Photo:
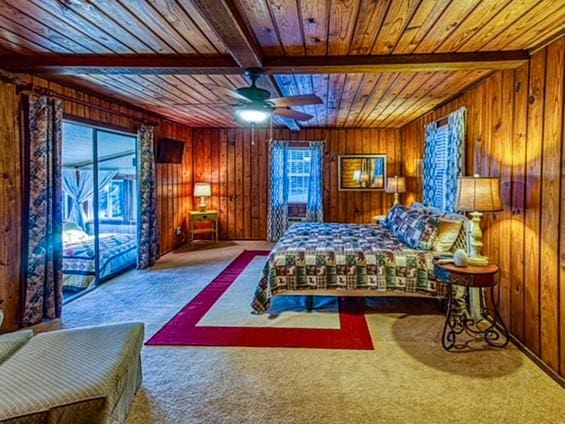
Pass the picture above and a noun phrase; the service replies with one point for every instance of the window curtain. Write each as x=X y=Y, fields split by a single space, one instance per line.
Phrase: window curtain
x=429 y=164
x=277 y=219
x=453 y=155
x=315 y=204
x=78 y=185
x=456 y=123
x=42 y=288
x=147 y=225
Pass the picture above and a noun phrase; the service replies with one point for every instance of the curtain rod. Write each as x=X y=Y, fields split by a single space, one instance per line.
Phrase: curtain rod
x=440 y=121
x=27 y=88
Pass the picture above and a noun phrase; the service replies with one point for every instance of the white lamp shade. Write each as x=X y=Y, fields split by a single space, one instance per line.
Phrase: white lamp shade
x=202 y=189
x=395 y=185
x=478 y=194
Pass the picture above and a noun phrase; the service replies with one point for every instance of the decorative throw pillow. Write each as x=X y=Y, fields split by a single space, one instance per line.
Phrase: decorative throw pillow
x=11 y=342
x=417 y=205
x=418 y=229
x=395 y=217
x=74 y=236
x=447 y=233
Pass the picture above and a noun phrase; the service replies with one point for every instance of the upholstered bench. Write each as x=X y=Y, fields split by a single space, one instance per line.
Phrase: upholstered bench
x=83 y=375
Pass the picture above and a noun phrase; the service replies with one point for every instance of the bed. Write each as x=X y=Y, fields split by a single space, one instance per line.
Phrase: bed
x=360 y=260
x=117 y=253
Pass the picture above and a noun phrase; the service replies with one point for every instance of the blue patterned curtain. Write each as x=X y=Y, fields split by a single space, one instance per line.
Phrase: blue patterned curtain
x=277 y=219
x=444 y=161
x=147 y=225
x=315 y=204
x=429 y=186
x=456 y=123
x=42 y=290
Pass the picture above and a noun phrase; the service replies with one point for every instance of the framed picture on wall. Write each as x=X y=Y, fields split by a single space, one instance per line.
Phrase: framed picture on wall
x=361 y=172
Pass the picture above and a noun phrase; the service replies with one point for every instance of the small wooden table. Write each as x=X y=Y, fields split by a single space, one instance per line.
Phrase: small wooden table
x=201 y=216
x=459 y=319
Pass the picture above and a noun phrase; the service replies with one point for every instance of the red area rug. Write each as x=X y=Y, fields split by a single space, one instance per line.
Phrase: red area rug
x=182 y=329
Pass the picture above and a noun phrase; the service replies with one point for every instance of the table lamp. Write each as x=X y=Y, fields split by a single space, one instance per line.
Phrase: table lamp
x=202 y=190
x=395 y=185
x=476 y=195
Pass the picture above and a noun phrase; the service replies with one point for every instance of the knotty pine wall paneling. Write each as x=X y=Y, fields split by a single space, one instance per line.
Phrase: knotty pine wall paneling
x=238 y=170
x=515 y=131
x=10 y=206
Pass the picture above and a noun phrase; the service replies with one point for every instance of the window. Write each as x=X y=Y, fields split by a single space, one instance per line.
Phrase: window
x=298 y=175
x=440 y=174
x=112 y=199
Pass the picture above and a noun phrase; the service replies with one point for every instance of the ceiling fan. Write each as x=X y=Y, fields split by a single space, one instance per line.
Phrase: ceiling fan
x=255 y=105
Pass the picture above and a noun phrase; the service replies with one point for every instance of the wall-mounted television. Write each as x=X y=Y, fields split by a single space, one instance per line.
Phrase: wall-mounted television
x=170 y=151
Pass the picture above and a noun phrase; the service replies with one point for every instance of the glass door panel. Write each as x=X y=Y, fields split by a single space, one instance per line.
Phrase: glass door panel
x=117 y=202
x=79 y=247
x=100 y=206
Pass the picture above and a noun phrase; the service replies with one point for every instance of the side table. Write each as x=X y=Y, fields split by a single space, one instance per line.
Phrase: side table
x=199 y=216
x=458 y=320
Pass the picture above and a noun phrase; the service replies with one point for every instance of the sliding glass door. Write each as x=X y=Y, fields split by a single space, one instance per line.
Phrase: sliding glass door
x=100 y=200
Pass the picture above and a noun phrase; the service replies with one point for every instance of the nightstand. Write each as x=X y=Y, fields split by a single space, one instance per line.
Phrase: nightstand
x=459 y=319
x=203 y=216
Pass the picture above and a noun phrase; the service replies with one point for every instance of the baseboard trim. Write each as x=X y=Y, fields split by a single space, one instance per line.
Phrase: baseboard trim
x=537 y=360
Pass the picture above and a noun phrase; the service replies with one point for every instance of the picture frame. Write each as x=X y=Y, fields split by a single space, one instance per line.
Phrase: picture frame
x=364 y=172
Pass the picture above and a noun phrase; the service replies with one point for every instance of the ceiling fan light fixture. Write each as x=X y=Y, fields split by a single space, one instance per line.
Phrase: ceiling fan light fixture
x=253 y=116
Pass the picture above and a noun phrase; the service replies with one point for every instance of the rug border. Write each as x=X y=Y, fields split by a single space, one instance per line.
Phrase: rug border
x=353 y=334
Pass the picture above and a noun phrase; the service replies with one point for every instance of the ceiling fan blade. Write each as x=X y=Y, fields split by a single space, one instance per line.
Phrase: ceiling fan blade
x=307 y=99
x=226 y=92
x=292 y=114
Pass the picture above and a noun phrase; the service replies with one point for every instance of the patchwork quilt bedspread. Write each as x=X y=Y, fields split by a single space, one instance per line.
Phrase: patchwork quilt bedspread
x=117 y=251
x=316 y=256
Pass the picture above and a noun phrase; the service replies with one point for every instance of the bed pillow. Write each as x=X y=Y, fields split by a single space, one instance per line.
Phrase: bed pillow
x=74 y=236
x=11 y=342
x=72 y=233
x=395 y=217
x=447 y=232
x=418 y=229
x=418 y=205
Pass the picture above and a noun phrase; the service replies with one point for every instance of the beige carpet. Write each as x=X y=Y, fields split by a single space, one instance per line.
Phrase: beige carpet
x=408 y=378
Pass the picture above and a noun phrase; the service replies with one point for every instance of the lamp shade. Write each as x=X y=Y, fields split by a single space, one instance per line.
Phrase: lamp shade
x=478 y=194
x=395 y=185
x=202 y=189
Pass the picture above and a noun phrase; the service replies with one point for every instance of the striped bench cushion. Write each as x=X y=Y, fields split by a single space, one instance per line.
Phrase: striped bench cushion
x=68 y=367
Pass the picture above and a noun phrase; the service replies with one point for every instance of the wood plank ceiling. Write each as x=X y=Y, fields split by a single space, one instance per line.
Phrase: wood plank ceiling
x=280 y=28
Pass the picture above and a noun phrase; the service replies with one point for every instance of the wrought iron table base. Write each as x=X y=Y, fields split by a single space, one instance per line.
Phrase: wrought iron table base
x=459 y=320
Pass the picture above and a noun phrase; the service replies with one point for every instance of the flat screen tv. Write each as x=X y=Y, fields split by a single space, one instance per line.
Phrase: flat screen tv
x=170 y=151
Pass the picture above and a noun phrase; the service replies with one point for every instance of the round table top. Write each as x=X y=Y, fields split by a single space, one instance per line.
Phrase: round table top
x=469 y=269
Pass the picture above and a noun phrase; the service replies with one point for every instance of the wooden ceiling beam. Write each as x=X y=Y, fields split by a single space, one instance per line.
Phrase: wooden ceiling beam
x=113 y=64
x=395 y=63
x=226 y=65
x=226 y=21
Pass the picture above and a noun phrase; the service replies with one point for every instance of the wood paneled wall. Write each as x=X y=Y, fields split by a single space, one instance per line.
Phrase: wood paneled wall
x=238 y=171
x=10 y=204
x=174 y=182
x=515 y=131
